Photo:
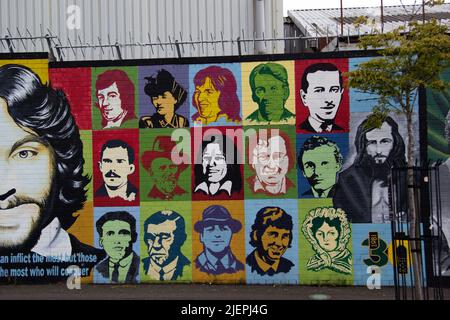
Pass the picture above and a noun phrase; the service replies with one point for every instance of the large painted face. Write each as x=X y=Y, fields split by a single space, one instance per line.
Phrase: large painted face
x=327 y=237
x=160 y=239
x=380 y=143
x=323 y=95
x=270 y=161
x=164 y=103
x=115 y=167
x=110 y=102
x=116 y=239
x=206 y=99
x=271 y=94
x=216 y=238
x=164 y=173
x=275 y=242
x=27 y=169
x=320 y=167
x=213 y=162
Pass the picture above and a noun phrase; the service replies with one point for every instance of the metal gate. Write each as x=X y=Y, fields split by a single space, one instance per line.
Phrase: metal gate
x=420 y=279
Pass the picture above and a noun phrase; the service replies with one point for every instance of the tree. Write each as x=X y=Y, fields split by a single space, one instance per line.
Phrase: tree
x=410 y=58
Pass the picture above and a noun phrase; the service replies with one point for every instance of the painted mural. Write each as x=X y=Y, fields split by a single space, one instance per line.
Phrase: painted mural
x=438 y=135
x=252 y=172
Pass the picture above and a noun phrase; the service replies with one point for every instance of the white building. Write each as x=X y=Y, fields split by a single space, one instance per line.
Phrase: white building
x=333 y=30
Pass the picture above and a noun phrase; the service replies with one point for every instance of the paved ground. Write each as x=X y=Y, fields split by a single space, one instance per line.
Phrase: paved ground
x=195 y=292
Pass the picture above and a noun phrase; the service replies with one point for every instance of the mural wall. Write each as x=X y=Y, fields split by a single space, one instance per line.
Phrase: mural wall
x=250 y=172
x=438 y=135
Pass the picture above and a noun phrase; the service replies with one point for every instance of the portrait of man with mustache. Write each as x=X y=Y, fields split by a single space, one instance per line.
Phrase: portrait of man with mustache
x=116 y=164
x=43 y=183
x=321 y=92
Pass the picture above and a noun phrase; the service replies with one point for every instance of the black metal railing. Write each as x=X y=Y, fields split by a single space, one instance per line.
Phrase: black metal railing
x=417 y=237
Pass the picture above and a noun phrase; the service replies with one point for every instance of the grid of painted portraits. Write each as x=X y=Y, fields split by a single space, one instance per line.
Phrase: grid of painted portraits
x=253 y=172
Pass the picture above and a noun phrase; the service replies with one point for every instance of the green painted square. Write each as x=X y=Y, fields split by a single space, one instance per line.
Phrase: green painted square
x=132 y=73
x=185 y=210
x=147 y=181
x=324 y=276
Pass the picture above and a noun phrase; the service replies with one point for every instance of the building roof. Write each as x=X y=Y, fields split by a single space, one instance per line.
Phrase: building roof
x=327 y=22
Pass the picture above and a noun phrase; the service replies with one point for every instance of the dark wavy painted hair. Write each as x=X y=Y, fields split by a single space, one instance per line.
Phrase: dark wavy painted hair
x=316 y=142
x=46 y=112
x=266 y=217
x=233 y=164
x=120 y=216
x=319 y=221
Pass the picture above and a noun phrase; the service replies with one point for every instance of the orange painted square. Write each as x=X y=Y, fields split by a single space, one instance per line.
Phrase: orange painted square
x=236 y=209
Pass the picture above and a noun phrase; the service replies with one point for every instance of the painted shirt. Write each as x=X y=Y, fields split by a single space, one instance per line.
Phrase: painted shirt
x=158 y=121
x=210 y=264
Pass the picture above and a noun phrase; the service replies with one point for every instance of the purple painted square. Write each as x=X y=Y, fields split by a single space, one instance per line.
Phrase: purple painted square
x=181 y=75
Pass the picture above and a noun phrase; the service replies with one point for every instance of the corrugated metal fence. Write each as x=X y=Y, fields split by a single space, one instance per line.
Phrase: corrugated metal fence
x=78 y=25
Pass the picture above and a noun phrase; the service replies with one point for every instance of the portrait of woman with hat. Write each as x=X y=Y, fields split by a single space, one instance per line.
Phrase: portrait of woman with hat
x=167 y=96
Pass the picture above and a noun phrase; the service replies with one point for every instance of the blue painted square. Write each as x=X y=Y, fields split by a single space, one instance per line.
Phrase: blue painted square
x=363 y=256
x=98 y=213
x=341 y=141
x=227 y=80
x=290 y=256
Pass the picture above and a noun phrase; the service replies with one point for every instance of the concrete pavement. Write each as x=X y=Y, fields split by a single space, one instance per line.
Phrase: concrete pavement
x=195 y=292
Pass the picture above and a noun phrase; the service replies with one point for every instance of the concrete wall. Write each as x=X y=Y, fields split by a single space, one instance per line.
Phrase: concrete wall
x=293 y=207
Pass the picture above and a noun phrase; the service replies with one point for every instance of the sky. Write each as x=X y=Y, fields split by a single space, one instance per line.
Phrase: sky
x=320 y=4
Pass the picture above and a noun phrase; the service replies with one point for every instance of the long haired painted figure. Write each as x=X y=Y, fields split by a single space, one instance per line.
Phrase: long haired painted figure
x=215 y=96
x=43 y=184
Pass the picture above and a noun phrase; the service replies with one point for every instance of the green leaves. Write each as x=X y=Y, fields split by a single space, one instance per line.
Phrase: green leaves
x=410 y=58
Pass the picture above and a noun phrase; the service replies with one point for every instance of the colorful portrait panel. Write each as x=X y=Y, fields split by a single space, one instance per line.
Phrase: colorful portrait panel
x=320 y=157
x=218 y=241
x=218 y=163
x=271 y=228
x=116 y=169
x=325 y=244
x=270 y=166
x=268 y=93
x=45 y=209
x=215 y=94
x=115 y=98
x=165 y=165
x=166 y=241
x=321 y=96
x=116 y=231
x=163 y=96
